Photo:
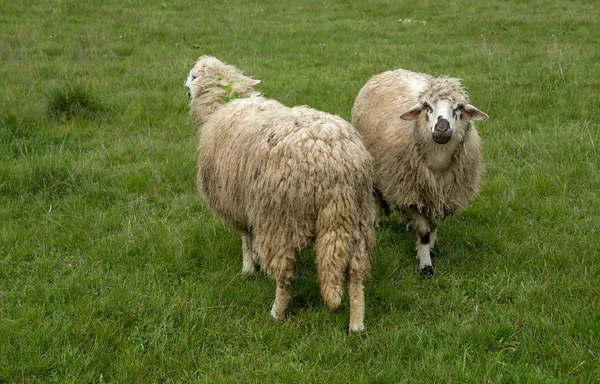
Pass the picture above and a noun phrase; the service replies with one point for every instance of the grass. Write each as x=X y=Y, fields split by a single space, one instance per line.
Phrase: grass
x=113 y=270
x=70 y=101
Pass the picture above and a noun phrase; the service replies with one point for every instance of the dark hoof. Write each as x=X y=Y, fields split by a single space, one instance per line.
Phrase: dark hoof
x=427 y=271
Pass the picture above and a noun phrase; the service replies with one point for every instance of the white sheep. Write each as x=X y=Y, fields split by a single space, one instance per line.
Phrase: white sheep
x=283 y=177
x=425 y=147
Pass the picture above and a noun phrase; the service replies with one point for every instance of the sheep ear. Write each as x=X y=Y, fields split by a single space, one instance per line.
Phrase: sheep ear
x=255 y=81
x=413 y=113
x=475 y=114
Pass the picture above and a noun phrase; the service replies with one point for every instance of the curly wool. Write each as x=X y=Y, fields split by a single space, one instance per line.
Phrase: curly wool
x=443 y=88
x=287 y=176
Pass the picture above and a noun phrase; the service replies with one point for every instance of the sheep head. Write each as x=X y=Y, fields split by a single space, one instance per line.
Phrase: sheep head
x=444 y=111
x=210 y=72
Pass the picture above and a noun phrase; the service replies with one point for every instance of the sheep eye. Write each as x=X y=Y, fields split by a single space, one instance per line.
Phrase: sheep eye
x=459 y=108
x=427 y=108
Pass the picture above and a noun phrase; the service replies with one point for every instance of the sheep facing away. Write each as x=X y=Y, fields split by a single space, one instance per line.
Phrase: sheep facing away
x=425 y=147
x=283 y=177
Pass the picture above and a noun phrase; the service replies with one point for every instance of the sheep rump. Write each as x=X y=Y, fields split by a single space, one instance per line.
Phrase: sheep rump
x=421 y=176
x=283 y=177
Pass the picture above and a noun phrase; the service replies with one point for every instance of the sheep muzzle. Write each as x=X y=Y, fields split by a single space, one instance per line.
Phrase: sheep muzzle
x=441 y=131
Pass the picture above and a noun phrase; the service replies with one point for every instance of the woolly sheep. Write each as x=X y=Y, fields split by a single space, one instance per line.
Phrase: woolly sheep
x=425 y=147
x=283 y=177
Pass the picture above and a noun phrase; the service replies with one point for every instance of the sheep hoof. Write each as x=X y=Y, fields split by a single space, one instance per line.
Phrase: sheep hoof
x=427 y=271
x=248 y=271
x=274 y=315
x=357 y=328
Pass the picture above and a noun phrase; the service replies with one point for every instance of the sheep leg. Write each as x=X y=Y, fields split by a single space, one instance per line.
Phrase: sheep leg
x=281 y=266
x=381 y=208
x=359 y=268
x=283 y=295
x=424 y=255
x=255 y=255
x=432 y=238
x=421 y=224
x=247 y=251
x=357 y=303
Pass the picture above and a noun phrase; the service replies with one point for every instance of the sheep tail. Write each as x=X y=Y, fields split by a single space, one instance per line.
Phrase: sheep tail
x=333 y=253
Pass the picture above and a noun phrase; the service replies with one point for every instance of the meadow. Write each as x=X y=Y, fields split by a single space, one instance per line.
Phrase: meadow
x=112 y=269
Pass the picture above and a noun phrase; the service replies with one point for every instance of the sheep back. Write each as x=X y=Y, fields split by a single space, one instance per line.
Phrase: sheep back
x=262 y=164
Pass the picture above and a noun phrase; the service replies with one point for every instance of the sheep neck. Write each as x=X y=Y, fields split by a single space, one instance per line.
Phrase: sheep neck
x=439 y=157
x=231 y=93
x=209 y=101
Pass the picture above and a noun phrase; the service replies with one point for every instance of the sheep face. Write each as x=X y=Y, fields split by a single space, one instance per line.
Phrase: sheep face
x=188 y=84
x=444 y=118
x=203 y=74
x=211 y=72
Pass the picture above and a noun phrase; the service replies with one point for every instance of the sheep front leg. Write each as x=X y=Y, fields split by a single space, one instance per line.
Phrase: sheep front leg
x=247 y=259
x=424 y=254
x=424 y=243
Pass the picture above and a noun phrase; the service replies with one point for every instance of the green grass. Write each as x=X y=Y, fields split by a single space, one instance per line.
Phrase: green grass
x=113 y=270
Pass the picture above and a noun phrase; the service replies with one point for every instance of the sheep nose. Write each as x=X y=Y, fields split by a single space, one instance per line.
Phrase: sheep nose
x=442 y=124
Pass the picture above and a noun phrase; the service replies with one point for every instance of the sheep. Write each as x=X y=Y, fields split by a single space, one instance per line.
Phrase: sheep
x=284 y=178
x=425 y=147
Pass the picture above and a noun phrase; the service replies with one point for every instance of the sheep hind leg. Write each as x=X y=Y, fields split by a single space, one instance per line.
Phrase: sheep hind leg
x=432 y=237
x=282 y=268
x=357 y=303
x=247 y=255
x=381 y=208
x=432 y=240
x=283 y=295
x=359 y=268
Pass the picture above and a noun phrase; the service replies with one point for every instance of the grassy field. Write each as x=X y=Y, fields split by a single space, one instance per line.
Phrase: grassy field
x=112 y=270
